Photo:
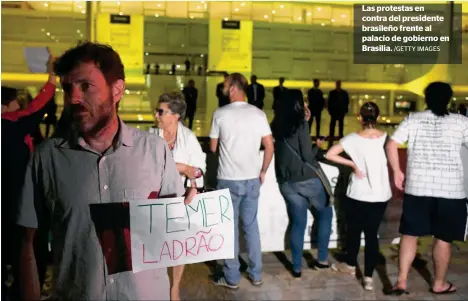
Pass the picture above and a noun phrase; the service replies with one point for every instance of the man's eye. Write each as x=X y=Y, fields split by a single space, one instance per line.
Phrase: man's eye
x=84 y=86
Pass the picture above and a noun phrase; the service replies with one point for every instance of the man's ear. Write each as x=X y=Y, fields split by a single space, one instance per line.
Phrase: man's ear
x=118 y=89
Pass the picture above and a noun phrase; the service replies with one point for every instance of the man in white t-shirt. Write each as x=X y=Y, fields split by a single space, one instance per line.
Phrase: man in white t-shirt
x=435 y=200
x=239 y=129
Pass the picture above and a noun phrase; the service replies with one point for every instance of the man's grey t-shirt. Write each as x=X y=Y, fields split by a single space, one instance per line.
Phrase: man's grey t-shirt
x=84 y=195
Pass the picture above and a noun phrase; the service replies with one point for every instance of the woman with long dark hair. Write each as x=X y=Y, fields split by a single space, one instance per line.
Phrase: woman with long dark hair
x=368 y=191
x=301 y=180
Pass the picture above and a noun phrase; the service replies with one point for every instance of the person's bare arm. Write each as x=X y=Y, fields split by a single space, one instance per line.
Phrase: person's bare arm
x=267 y=143
x=213 y=145
x=392 y=155
x=394 y=161
x=333 y=155
x=28 y=281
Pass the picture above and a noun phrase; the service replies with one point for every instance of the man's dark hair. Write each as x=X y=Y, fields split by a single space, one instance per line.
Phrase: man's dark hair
x=8 y=95
x=238 y=80
x=103 y=56
x=281 y=80
x=438 y=96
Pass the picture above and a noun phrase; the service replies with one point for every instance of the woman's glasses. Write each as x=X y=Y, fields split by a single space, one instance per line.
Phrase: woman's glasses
x=160 y=112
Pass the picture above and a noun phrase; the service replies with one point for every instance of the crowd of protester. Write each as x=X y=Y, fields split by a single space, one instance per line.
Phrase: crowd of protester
x=72 y=182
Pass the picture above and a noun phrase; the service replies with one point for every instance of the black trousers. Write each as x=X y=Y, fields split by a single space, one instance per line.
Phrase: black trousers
x=318 y=118
x=363 y=217
x=190 y=119
x=340 y=120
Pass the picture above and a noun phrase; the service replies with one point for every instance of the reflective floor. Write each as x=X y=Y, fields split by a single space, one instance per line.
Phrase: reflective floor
x=327 y=285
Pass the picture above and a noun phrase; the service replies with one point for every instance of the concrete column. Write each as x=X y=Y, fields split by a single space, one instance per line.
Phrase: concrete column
x=391 y=103
x=91 y=9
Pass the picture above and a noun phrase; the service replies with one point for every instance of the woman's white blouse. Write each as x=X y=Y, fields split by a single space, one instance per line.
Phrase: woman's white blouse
x=187 y=149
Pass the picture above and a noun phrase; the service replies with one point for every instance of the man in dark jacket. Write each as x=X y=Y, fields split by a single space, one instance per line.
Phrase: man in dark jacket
x=191 y=96
x=338 y=103
x=278 y=93
x=316 y=104
x=222 y=99
x=255 y=93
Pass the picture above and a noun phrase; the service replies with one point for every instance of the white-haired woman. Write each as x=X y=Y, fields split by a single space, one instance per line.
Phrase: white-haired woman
x=186 y=150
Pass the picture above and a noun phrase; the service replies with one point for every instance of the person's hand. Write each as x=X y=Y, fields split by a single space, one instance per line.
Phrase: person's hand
x=190 y=193
x=190 y=172
x=50 y=63
x=399 y=180
x=262 y=177
x=320 y=141
x=359 y=173
x=307 y=113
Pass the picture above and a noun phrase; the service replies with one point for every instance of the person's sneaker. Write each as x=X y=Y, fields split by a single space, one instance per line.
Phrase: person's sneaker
x=321 y=266
x=221 y=281
x=368 y=283
x=255 y=282
x=344 y=268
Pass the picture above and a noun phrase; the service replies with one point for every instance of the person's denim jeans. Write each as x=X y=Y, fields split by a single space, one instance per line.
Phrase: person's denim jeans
x=244 y=195
x=301 y=196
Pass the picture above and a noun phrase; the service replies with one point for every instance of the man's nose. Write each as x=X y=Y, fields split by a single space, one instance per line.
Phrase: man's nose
x=77 y=94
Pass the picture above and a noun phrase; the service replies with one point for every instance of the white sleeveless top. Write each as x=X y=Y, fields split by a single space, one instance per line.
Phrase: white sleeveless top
x=369 y=156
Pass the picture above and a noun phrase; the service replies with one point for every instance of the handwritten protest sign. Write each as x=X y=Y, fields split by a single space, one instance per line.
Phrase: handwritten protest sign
x=166 y=232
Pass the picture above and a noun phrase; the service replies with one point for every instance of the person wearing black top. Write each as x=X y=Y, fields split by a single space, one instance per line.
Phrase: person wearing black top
x=255 y=93
x=191 y=96
x=222 y=99
x=316 y=104
x=338 y=106
x=300 y=178
x=51 y=118
x=278 y=93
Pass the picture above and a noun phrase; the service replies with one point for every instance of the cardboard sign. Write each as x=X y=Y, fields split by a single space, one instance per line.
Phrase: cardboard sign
x=166 y=232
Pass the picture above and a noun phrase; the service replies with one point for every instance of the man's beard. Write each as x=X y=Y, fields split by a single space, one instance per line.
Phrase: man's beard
x=104 y=113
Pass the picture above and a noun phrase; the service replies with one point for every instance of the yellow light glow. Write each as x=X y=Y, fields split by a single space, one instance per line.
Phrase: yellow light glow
x=273 y=12
x=281 y=6
x=265 y=16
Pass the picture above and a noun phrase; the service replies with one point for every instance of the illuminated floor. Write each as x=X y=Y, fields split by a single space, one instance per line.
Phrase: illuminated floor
x=327 y=285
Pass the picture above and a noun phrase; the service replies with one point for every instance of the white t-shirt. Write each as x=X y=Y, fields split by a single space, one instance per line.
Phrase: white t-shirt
x=240 y=128
x=434 y=167
x=369 y=156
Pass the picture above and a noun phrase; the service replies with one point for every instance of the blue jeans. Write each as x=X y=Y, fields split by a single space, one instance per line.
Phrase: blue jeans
x=301 y=196
x=244 y=195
